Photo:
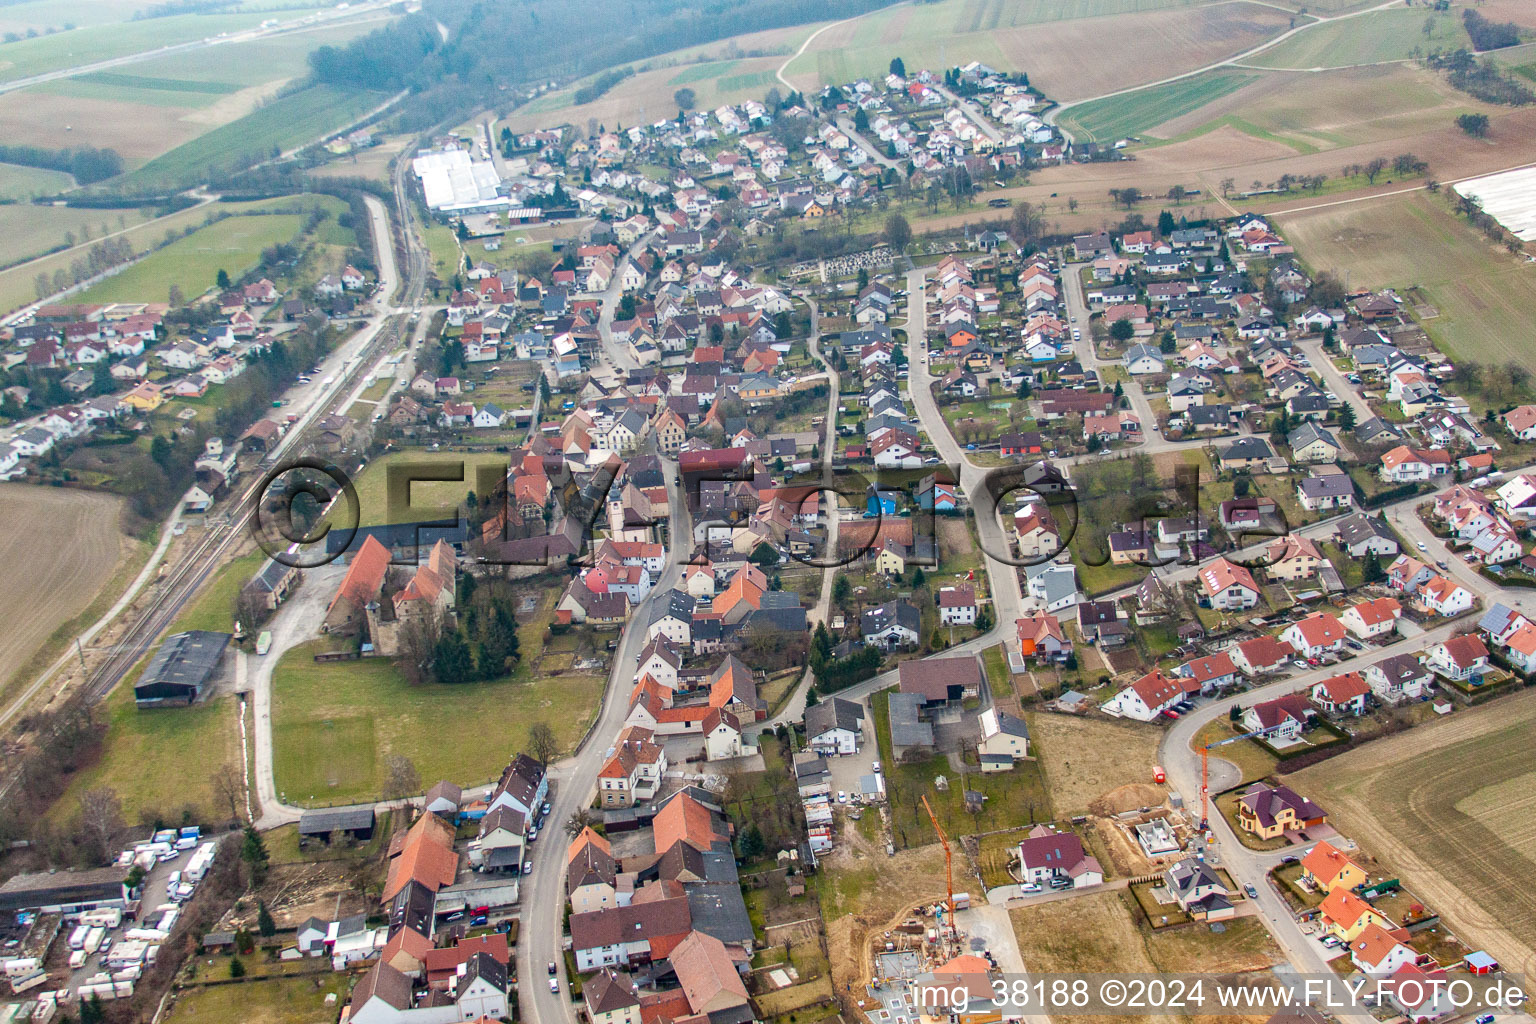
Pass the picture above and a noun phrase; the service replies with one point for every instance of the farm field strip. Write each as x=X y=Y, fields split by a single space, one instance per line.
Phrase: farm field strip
x=1427 y=803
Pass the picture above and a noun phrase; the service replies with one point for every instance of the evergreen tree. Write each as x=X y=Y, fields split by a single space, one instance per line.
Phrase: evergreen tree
x=264 y=923
x=452 y=661
x=253 y=850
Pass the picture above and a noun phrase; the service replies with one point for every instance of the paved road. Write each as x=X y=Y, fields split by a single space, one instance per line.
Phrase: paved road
x=1003 y=578
x=1333 y=380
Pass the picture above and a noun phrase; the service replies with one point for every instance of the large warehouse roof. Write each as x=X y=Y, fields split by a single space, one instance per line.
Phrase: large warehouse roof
x=449 y=178
x=1509 y=197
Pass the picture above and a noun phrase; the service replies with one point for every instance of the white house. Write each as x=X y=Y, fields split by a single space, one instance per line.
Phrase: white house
x=1149 y=696
x=834 y=726
x=1004 y=739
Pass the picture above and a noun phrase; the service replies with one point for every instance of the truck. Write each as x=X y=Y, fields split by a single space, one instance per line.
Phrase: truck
x=264 y=642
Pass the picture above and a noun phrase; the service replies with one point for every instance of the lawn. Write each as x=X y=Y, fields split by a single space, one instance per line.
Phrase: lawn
x=335 y=723
x=1251 y=759
x=233 y=244
x=162 y=759
x=294 y=120
x=1017 y=797
x=1119 y=117
x=31 y=230
x=214 y=606
x=1485 y=298
x=426 y=500
x=270 y=1001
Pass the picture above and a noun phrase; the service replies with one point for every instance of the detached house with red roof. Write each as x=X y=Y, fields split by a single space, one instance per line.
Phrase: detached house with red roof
x=1271 y=811
x=1261 y=655
x=1370 y=619
x=1150 y=696
x=1328 y=869
x=1345 y=915
x=1380 y=952
x=1315 y=635
x=1459 y=658
x=1342 y=694
x=1282 y=719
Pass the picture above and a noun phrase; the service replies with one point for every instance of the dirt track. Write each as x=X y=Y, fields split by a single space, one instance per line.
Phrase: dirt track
x=61 y=546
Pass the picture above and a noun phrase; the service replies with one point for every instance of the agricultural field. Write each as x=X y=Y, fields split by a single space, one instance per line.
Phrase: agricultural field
x=286 y=123
x=29 y=230
x=1485 y=299
x=1087 y=760
x=1449 y=807
x=1370 y=38
x=1306 y=114
x=1137 y=41
x=65 y=546
x=18 y=182
x=91 y=43
x=372 y=163
x=334 y=724
x=233 y=244
x=1119 y=117
x=648 y=95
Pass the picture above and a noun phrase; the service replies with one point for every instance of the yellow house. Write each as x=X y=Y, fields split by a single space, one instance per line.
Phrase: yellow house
x=1345 y=915
x=147 y=397
x=670 y=432
x=892 y=560
x=1328 y=869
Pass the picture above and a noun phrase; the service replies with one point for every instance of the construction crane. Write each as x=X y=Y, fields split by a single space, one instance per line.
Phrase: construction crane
x=949 y=876
x=1205 y=769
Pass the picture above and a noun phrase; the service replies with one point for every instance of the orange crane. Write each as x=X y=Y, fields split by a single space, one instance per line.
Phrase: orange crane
x=1205 y=769
x=949 y=876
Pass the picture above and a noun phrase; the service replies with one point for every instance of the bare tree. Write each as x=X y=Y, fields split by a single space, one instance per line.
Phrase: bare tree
x=101 y=818
x=418 y=639
x=542 y=743
x=400 y=777
x=579 y=819
x=228 y=784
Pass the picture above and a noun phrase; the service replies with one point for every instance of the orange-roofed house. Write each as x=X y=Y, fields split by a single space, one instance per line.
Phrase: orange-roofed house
x=1328 y=869
x=708 y=976
x=1345 y=915
x=1315 y=635
x=425 y=855
x=1370 y=619
x=1342 y=694
x=682 y=819
x=1149 y=696
x=1381 y=952
x=361 y=585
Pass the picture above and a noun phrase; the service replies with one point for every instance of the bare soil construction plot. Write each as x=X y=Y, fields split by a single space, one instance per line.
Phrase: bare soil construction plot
x=1449 y=807
x=61 y=546
x=1086 y=759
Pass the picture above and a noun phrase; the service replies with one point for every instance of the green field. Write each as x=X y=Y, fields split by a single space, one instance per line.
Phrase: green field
x=334 y=724
x=159 y=760
x=428 y=500
x=192 y=263
x=285 y=123
x=17 y=182
x=93 y=43
x=712 y=69
x=29 y=230
x=1485 y=298
x=1366 y=39
x=1119 y=117
x=266 y=1001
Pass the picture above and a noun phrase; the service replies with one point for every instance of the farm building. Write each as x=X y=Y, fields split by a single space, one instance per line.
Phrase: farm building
x=328 y=826
x=180 y=668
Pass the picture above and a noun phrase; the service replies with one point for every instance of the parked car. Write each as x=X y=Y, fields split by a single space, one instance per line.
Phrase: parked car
x=554 y=985
x=1298 y=663
x=1253 y=893
x=551 y=968
x=1029 y=887
x=875 y=767
x=842 y=796
x=1421 y=546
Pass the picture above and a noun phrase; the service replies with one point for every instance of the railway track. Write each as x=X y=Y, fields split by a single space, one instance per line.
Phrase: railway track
x=177 y=585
